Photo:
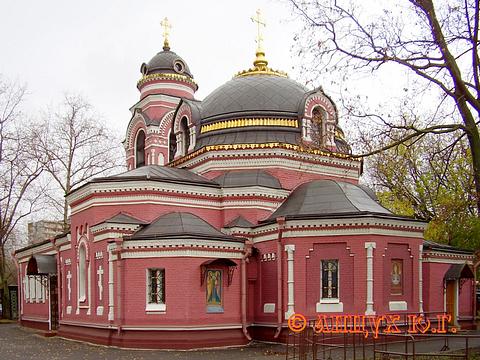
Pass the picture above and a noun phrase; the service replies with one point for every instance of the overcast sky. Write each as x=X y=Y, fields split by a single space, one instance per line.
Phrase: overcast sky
x=95 y=48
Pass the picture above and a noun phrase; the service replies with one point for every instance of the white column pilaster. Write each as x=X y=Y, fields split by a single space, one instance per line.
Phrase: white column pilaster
x=290 y=281
x=111 y=303
x=420 y=279
x=370 y=246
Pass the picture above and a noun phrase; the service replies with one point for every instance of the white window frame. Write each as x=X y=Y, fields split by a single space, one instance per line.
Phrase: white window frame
x=329 y=304
x=82 y=273
x=154 y=307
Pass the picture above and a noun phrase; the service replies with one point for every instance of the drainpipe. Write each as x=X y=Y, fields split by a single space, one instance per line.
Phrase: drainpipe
x=245 y=260
x=281 y=226
x=120 y=278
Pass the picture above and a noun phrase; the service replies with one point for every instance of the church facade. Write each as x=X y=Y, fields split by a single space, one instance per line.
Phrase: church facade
x=236 y=212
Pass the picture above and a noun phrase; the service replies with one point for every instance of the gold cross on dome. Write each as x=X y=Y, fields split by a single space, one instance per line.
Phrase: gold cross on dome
x=260 y=22
x=166 y=31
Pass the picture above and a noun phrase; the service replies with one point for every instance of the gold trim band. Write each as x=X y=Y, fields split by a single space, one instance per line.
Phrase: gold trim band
x=276 y=145
x=235 y=123
x=165 y=76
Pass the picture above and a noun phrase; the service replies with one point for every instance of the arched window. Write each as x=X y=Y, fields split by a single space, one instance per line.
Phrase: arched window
x=318 y=126
x=82 y=269
x=185 y=135
x=172 y=145
x=140 y=149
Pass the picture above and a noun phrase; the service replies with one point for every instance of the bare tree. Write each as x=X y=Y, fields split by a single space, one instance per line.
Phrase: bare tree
x=435 y=42
x=19 y=169
x=76 y=147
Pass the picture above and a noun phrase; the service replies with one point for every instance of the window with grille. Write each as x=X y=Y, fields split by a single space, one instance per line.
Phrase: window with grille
x=330 y=279
x=156 y=286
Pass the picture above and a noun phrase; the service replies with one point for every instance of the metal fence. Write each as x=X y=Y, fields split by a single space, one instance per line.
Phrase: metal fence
x=315 y=345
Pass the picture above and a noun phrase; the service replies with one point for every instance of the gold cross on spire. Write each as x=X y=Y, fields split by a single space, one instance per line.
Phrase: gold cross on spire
x=260 y=22
x=166 y=31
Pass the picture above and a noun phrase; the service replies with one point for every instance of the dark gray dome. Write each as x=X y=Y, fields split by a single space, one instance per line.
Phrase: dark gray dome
x=329 y=197
x=247 y=178
x=166 y=62
x=254 y=95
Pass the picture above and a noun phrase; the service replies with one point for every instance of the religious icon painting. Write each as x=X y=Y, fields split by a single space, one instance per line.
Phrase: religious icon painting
x=396 y=276
x=214 y=291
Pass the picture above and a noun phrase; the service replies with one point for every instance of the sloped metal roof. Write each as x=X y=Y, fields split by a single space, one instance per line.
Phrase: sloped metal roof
x=239 y=221
x=458 y=271
x=123 y=218
x=328 y=197
x=247 y=178
x=181 y=224
x=158 y=172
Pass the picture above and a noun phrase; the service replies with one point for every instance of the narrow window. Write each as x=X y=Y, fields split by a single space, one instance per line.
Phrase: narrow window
x=156 y=286
x=82 y=259
x=140 y=149
x=185 y=136
x=172 y=147
x=330 y=279
x=318 y=123
x=396 y=277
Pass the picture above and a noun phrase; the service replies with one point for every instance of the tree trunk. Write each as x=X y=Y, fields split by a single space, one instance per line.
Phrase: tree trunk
x=4 y=285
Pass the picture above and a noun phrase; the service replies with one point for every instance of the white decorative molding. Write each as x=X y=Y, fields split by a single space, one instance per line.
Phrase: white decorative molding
x=420 y=279
x=69 y=309
x=98 y=255
x=370 y=246
x=69 y=286
x=397 y=306
x=269 y=308
x=111 y=284
x=155 y=308
x=328 y=307
x=99 y=310
x=290 y=281
x=100 y=282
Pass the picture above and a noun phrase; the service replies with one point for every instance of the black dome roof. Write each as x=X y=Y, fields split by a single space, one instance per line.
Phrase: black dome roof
x=254 y=95
x=166 y=62
x=329 y=197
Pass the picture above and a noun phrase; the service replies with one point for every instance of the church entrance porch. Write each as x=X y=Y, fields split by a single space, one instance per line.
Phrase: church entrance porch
x=454 y=280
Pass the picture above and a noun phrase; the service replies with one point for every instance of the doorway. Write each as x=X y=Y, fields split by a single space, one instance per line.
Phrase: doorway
x=450 y=300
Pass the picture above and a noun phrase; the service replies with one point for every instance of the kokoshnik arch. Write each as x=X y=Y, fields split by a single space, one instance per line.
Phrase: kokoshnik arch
x=235 y=212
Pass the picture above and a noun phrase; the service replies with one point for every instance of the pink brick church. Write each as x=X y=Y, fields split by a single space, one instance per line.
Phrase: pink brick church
x=235 y=212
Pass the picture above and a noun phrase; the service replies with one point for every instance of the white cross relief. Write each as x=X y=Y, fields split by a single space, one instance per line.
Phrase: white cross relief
x=69 y=285
x=100 y=282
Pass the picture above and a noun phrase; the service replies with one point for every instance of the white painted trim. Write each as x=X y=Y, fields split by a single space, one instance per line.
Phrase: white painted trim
x=290 y=249
x=166 y=86
x=398 y=306
x=369 y=246
x=205 y=245
x=155 y=98
x=324 y=307
x=445 y=261
x=111 y=303
x=269 y=308
x=181 y=253
x=420 y=279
